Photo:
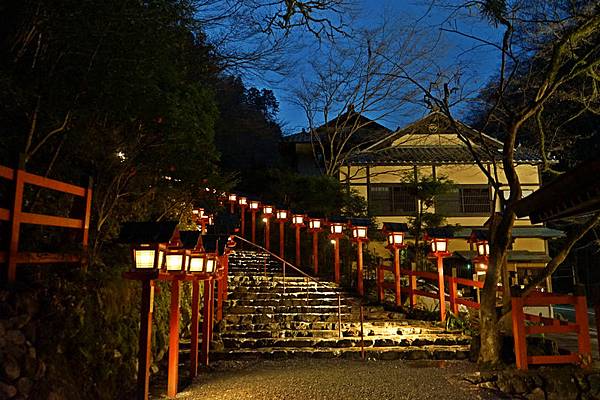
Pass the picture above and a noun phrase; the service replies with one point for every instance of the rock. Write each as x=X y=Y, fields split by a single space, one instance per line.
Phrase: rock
x=24 y=385
x=19 y=321
x=7 y=391
x=561 y=386
x=536 y=394
x=11 y=368
x=488 y=385
x=519 y=385
x=594 y=384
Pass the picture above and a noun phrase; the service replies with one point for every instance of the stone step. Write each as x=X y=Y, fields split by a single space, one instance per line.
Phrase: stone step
x=297 y=309
x=283 y=333
x=298 y=301
x=241 y=295
x=282 y=317
x=280 y=282
x=336 y=342
x=373 y=353
x=348 y=328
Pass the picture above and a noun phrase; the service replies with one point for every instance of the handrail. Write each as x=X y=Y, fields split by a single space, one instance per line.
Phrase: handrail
x=304 y=274
x=317 y=282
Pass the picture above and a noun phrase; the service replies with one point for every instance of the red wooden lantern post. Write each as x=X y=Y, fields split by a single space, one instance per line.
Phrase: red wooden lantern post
x=314 y=227
x=267 y=214
x=282 y=216
x=336 y=230
x=395 y=241
x=359 y=235
x=254 y=207
x=232 y=199
x=243 y=203
x=439 y=250
x=297 y=223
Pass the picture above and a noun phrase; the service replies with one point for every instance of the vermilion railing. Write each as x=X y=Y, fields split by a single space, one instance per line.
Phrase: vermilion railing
x=16 y=217
x=550 y=325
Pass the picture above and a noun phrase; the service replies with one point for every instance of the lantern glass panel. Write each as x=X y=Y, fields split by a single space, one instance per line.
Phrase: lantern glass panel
x=483 y=248
x=254 y=205
x=232 y=197
x=315 y=224
x=281 y=214
x=336 y=229
x=175 y=262
x=268 y=210
x=210 y=265
x=197 y=263
x=144 y=259
x=243 y=201
x=439 y=245
x=298 y=219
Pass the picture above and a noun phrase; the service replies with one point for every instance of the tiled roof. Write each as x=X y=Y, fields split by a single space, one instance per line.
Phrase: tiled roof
x=513 y=256
x=434 y=155
x=541 y=232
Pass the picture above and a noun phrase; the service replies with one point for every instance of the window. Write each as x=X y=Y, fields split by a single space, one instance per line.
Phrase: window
x=465 y=200
x=391 y=200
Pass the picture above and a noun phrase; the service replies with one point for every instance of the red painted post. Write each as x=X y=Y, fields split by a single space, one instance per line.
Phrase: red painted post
x=220 y=299
x=412 y=285
x=315 y=245
x=231 y=207
x=298 y=261
x=581 y=319
x=243 y=220
x=442 y=292
x=380 y=280
x=211 y=320
x=359 y=269
x=206 y=315
x=336 y=260
x=194 y=328
x=253 y=226
x=518 y=322
x=453 y=289
x=268 y=234
x=145 y=339
x=282 y=239
x=15 y=216
x=397 y=276
x=173 y=370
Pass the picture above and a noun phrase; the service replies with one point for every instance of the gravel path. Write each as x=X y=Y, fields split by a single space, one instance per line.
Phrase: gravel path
x=337 y=379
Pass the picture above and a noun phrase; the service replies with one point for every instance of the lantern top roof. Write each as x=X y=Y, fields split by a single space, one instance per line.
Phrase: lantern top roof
x=337 y=219
x=191 y=239
x=359 y=221
x=478 y=235
x=149 y=232
x=445 y=232
x=215 y=243
x=395 y=227
x=316 y=215
x=225 y=223
x=296 y=211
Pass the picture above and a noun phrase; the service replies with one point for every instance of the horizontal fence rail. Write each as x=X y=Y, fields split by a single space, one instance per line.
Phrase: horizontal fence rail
x=17 y=217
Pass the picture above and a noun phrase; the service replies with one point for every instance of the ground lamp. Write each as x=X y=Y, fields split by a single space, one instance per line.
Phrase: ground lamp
x=232 y=199
x=336 y=231
x=254 y=206
x=267 y=214
x=394 y=233
x=281 y=216
x=148 y=246
x=297 y=223
x=438 y=239
x=359 y=228
x=243 y=203
x=314 y=227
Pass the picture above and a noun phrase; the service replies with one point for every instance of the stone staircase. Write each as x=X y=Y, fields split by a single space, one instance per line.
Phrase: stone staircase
x=272 y=317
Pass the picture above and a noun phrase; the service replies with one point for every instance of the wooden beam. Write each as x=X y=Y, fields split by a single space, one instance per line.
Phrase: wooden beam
x=54 y=184
x=50 y=220
x=4 y=214
x=7 y=173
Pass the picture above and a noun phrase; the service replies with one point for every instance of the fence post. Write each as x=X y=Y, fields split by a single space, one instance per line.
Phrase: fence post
x=412 y=285
x=86 y=224
x=518 y=322
x=144 y=340
x=380 y=292
x=15 y=216
x=581 y=319
x=397 y=289
x=453 y=292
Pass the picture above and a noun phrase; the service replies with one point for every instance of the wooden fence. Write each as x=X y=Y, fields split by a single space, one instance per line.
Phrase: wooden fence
x=16 y=217
x=550 y=325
